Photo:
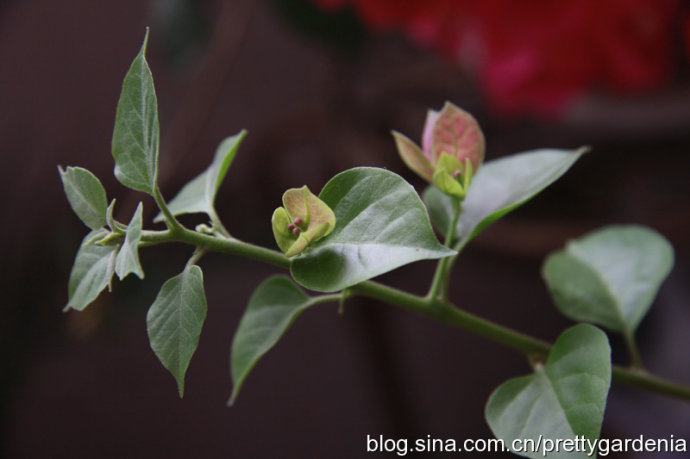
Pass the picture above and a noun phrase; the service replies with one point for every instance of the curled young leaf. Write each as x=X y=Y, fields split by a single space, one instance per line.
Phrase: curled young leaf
x=127 y=260
x=452 y=177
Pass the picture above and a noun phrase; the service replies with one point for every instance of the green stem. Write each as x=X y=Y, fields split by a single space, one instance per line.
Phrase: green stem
x=455 y=317
x=170 y=219
x=216 y=244
x=532 y=347
x=196 y=256
x=324 y=299
x=435 y=309
x=442 y=267
x=449 y=267
x=218 y=224
x=635 y=358
x=642 y=380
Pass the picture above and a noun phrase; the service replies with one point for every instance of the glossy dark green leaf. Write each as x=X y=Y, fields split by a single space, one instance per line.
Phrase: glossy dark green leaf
x=273 y=307
x=127 y=260
x=175 y=319
x=92 y=271
x=498 y=187
x=199 y=194
x=86 y=195
x=381 y=224
x=136 y=133
x=609 y=277
x=564 y=398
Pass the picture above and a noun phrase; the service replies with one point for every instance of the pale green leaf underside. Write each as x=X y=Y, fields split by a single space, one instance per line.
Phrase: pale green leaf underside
x=86 y=196
x=498 y=187
x=381 y=224
x=92 y=271
x=127 y=260
x=273 y=307
x=564 y=398
x=136 y=133
x=199 y=194
x=609 y=277
x=174 y=321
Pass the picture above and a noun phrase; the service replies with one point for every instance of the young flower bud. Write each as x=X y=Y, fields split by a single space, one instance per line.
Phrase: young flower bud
x=449 y=176
x=306 y=219
x=452 y=132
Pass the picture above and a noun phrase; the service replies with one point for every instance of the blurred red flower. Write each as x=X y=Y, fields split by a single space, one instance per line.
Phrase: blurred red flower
x=538 y=56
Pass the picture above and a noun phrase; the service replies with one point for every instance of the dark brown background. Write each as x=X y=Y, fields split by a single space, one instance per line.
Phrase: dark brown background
x=87 y=384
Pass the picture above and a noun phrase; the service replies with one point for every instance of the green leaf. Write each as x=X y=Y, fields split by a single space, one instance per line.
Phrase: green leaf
x=498 y=187
x=609 y=277
x=86 y=195
x=127 y=260
x=136 y=134
x=175 y=319
x=199 y=194
x=381 y=224
x=92 y=271
x=563 y=398
x=273 y=307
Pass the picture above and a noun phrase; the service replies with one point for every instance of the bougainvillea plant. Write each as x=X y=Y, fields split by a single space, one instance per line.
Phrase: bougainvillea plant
x=368 y=221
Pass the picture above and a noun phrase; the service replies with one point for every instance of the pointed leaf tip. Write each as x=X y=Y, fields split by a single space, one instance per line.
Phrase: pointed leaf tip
x=273 y=307
x=136 y=132
x=199 y=194
x=175 y=319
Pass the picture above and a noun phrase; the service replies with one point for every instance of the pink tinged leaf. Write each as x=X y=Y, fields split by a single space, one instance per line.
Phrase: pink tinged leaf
x=295 y=203
x=413 y=157
x=457 y=133
x=428 y=135
x=319 y=214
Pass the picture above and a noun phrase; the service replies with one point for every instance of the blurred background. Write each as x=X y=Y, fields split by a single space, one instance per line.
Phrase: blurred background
x=319 y=85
